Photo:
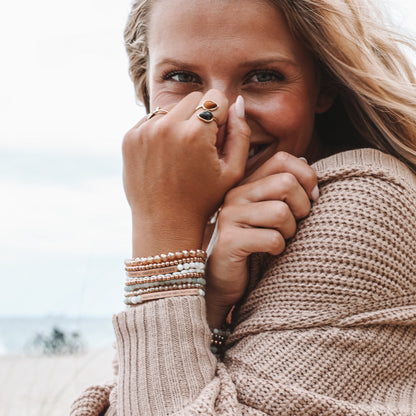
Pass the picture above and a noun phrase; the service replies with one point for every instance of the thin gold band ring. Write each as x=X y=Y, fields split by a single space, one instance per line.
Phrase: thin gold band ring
x=157 y=110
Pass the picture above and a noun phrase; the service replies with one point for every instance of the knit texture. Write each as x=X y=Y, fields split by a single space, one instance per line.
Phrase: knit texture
x=92 y=402
x=327 y=328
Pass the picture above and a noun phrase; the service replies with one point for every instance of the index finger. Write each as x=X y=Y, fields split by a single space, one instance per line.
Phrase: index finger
x=282 y=162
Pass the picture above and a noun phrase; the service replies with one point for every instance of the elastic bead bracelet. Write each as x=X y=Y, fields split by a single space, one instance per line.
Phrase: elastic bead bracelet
x=164 y=264
x=218 y=340
x=181 y=268
x=165 y=275
x=162 y=295
x=191 y=279
x=156 y=277
x=161 y=258
x=164 y=289
x=162 y=278
x=132 y=288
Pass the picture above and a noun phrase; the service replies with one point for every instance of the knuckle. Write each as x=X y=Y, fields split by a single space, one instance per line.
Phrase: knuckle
x=225 y=214
x=225 y=239
x=230 y=197
x=281 y=158
x=130 y=140
x=288 y=180
x=277 y=243
x=162 y=128
x=214 y=93
x=282 y=213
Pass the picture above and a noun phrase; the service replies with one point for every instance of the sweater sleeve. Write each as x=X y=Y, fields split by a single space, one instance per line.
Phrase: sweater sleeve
x=165 y=361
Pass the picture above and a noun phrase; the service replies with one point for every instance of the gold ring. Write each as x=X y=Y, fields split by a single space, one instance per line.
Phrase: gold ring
x=208 y=105
x=207 y=117
x=158 y=110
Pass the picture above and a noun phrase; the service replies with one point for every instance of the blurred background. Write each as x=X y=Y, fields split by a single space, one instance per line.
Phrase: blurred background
x=66 y=101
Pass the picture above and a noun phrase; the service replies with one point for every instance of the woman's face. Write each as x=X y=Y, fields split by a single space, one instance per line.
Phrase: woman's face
x=238 y=47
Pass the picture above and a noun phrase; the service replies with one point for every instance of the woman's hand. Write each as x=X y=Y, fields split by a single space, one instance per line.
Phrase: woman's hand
x=174 y=176
x=259 y=215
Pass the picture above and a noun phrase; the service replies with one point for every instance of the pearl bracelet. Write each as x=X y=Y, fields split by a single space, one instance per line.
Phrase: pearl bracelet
x=164 y=264
x=165 y=275
x=162 y=258
x=164 y=294
x=174 y=286
x=198 y=267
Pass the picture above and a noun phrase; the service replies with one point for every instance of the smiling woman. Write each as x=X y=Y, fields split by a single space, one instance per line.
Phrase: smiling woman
x=309 y=270
x=274 y=72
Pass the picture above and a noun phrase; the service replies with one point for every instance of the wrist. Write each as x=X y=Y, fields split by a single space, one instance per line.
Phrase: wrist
x=150 y=237
x=216 y=314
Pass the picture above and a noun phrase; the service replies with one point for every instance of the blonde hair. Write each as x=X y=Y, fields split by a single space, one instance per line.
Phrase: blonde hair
x=358 y=56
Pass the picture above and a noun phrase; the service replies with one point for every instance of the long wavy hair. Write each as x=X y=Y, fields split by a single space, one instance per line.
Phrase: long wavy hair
x=359 y=57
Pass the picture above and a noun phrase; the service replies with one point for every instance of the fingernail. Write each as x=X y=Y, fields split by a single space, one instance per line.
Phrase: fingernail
x=239 y=107
x=304 y=159
x=315 y=193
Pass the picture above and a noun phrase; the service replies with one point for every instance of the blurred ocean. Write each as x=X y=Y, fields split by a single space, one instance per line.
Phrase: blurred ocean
x=17 y=334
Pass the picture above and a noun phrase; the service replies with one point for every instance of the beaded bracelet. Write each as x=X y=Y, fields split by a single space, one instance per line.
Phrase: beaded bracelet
x=161 y=258
x=165 y=288
x=148 y=285
x=157 y=266
x=165 y=275
x=160 y=279
x=162 y=295
x=218 y=340
x=196 y=266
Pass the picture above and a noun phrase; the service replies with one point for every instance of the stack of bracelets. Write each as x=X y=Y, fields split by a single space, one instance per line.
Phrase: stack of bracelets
x=166 y=275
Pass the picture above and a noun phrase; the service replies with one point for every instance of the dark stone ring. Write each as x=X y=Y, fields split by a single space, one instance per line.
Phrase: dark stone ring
x=206 y=116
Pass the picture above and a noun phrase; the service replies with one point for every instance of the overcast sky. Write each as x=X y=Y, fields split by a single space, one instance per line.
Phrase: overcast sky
x=65 y=102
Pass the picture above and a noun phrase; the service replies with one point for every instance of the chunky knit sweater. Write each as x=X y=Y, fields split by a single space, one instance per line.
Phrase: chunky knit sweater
x=327 y=328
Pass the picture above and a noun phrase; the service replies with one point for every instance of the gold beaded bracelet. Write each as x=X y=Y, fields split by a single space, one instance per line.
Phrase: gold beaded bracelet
x=180 y=265
x=163 y=258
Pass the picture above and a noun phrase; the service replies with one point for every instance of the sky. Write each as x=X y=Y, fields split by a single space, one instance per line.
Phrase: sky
x=66 y=101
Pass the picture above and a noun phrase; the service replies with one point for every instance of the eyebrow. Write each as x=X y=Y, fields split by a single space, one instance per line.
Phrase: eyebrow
x=269 y=61
x=249 y=64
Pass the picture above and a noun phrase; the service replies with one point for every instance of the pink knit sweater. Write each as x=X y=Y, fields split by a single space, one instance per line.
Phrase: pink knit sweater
x=327 y=328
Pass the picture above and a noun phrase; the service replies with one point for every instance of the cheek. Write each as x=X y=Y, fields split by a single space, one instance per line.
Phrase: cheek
x=285 y=117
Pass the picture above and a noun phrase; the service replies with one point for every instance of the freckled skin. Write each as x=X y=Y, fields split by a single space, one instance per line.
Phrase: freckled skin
x=238 y=47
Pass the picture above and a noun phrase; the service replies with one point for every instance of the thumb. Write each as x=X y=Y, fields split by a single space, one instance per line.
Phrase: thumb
x=237 y=141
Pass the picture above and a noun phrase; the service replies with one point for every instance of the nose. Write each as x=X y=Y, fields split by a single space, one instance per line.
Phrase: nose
x=226 y=88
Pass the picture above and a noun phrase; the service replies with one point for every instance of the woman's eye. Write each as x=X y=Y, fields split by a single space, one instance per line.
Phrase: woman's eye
x=182 y=77
x=265 y=76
